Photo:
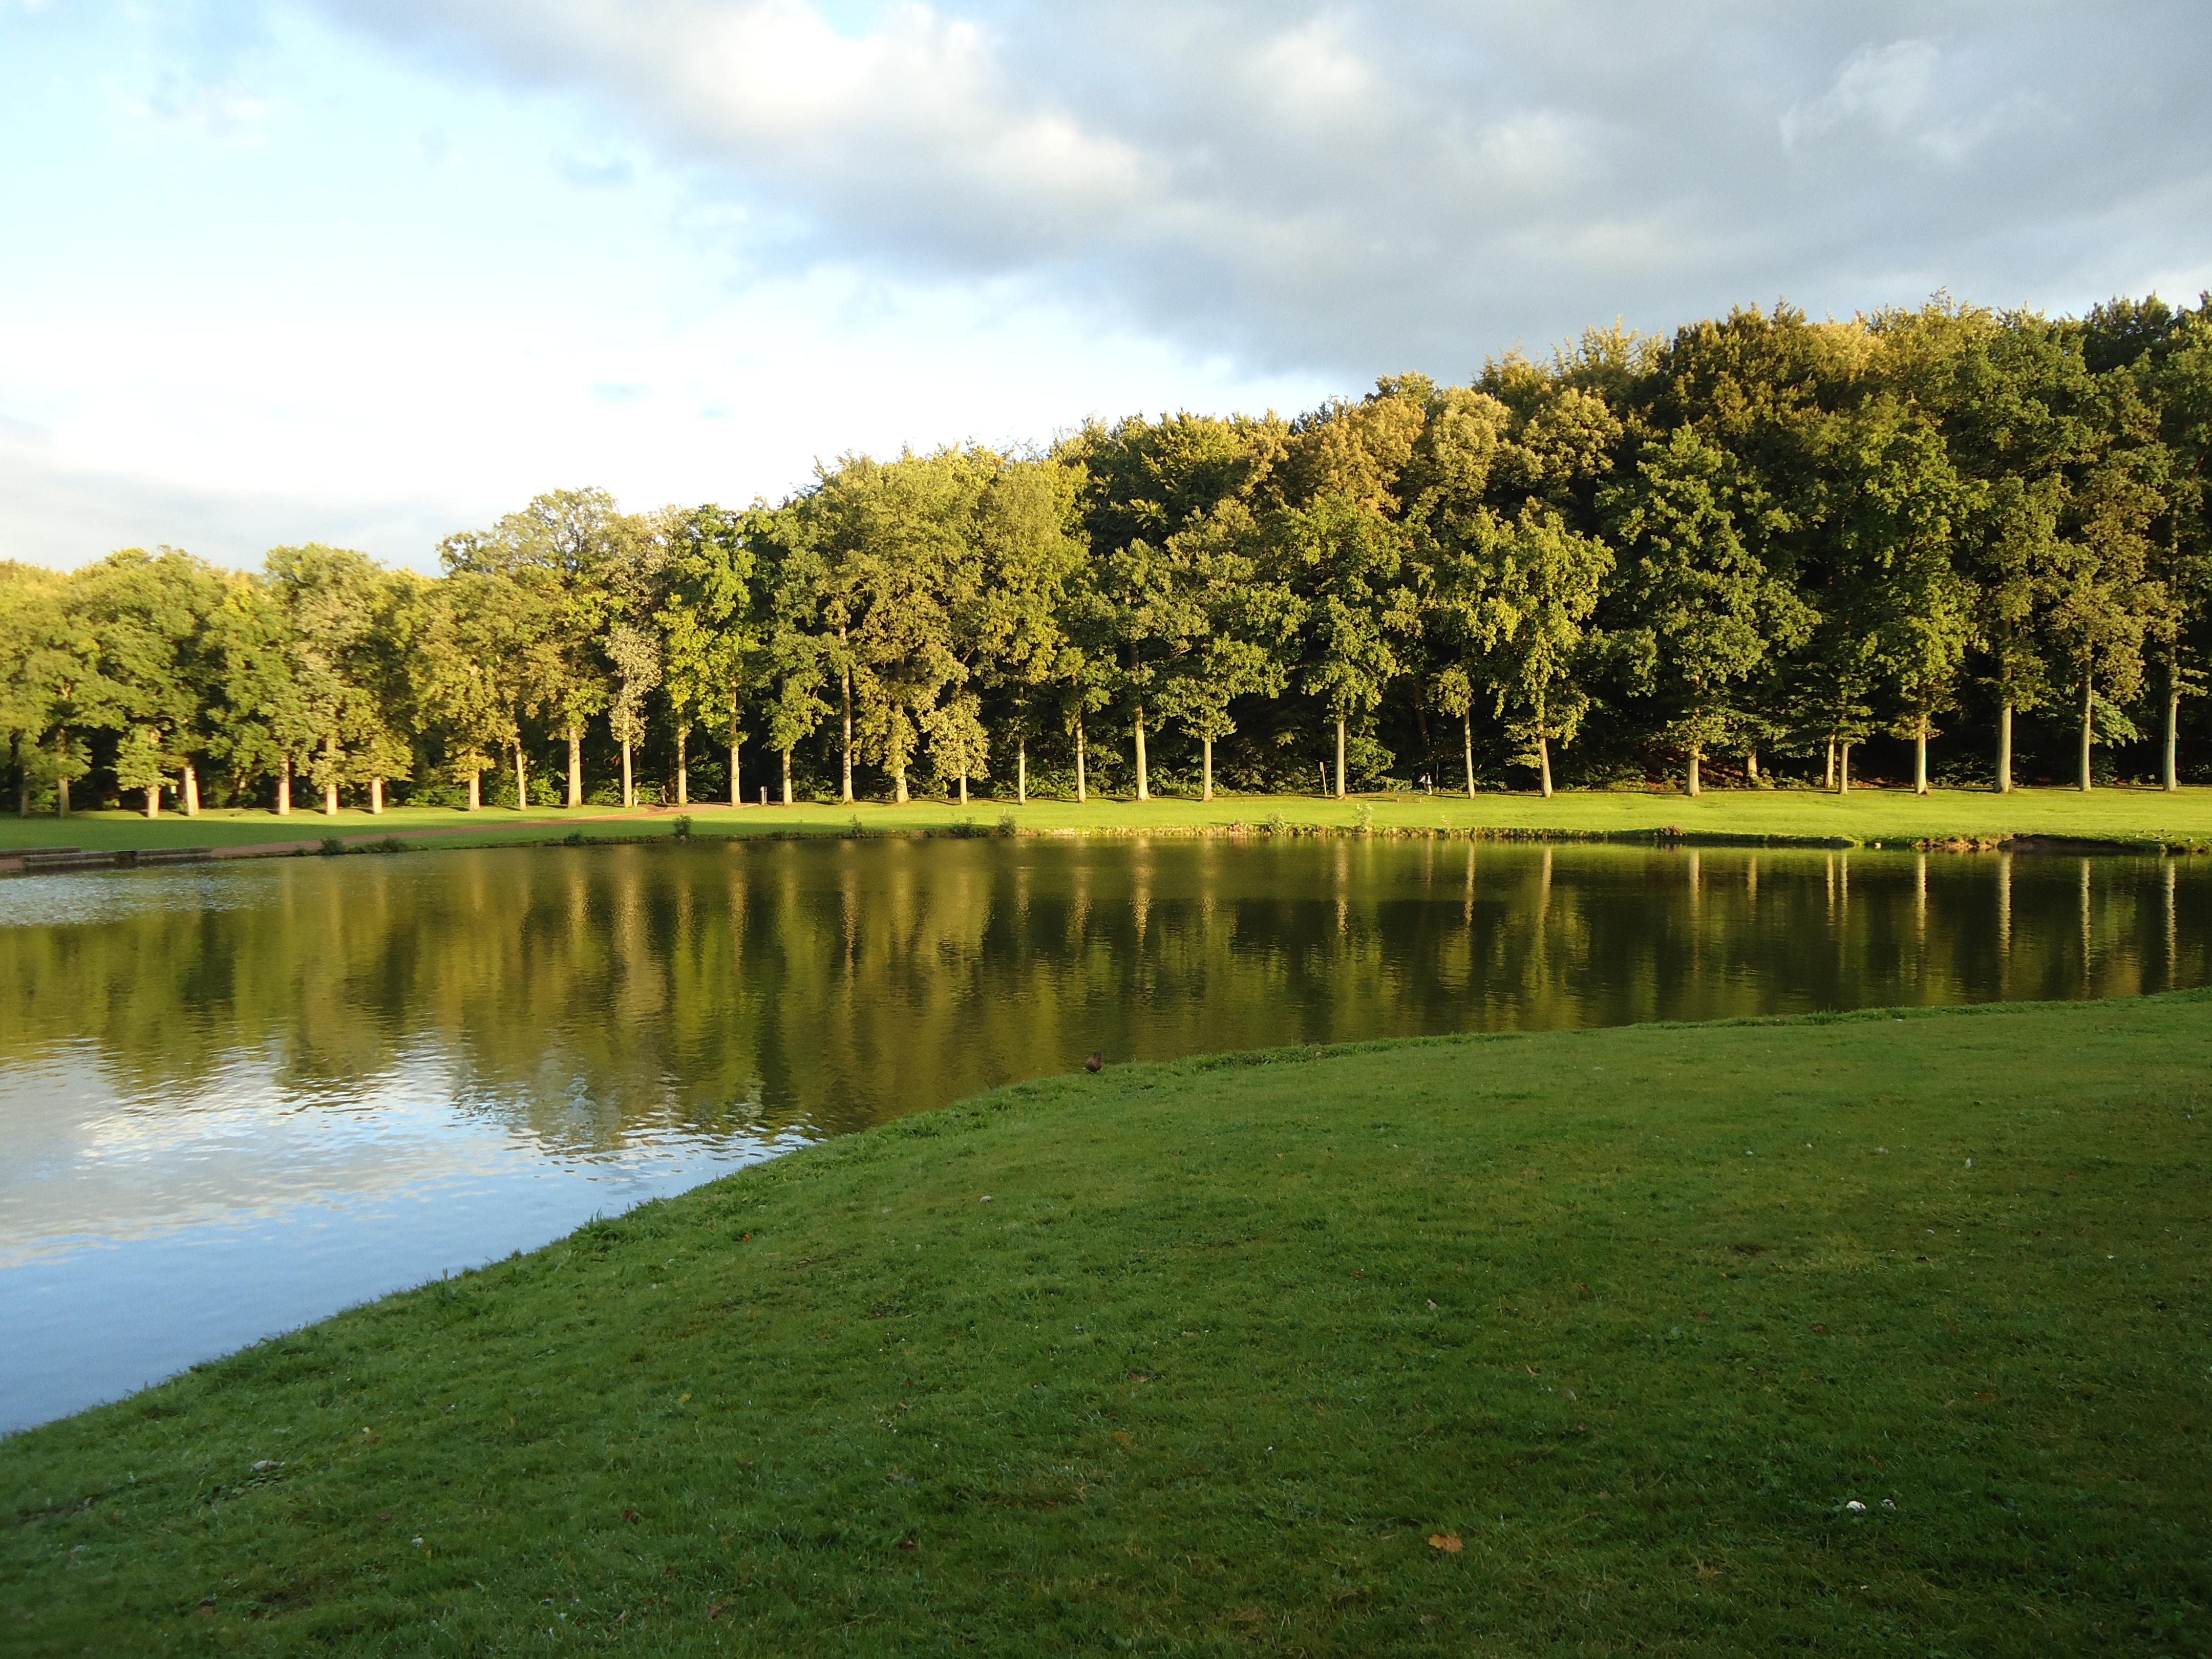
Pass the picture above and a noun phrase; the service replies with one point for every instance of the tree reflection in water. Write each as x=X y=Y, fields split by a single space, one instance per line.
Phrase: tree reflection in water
x=820 y=986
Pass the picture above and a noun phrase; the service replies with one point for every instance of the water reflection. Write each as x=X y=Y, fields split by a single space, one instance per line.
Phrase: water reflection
x=234 y=1097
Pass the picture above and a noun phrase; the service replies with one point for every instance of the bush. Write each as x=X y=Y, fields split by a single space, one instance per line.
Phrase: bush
x=439 y=792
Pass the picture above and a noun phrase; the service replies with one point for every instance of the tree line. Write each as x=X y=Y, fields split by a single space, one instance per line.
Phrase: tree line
x=1748 y=549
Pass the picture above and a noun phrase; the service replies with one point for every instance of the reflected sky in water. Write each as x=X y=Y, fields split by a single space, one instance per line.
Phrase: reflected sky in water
x=235 y=1098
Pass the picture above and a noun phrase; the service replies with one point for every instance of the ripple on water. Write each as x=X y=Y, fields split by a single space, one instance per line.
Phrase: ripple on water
x=86 y=897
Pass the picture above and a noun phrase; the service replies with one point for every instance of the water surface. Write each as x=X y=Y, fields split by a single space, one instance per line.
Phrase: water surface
x=238 y=1097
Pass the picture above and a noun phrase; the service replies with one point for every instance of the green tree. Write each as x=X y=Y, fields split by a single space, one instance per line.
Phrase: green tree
x=1909 y=613
x=1704 y=609
x=1339 y=545
x=562 y=553
x=461 y=640
x=30 y=598
x=2182 y=554
x=1228 y=623
x=1523 y=593
x=1029 y=538
x=151 y=619
x=712 y=636
x=338 y=607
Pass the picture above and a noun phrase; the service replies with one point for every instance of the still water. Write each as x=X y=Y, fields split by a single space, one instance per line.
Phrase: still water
x=236 y=1097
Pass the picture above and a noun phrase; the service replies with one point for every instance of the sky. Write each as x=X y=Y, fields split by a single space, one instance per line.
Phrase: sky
x=371 y=271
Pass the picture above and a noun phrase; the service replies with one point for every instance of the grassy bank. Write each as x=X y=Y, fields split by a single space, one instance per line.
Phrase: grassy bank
x=1588 y=1340
x=2183 y=817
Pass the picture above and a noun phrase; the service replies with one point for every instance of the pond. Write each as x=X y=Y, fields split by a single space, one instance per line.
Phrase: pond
x=236 y=1097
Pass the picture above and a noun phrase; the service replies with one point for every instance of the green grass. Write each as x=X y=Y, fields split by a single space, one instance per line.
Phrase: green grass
x=1201 y=1358
x=2183 y=817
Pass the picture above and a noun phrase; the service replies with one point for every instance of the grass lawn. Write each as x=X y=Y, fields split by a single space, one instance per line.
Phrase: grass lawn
x=2183 y=817
x=1588 y=1341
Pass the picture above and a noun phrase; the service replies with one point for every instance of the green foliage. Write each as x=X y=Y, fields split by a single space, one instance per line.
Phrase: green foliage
x=1762 y=533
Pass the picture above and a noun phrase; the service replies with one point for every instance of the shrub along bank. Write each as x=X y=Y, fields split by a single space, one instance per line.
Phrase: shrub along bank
x=1882 y=1332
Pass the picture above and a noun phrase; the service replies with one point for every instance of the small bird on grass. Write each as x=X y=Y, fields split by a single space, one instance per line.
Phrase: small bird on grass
x=1096 y=1063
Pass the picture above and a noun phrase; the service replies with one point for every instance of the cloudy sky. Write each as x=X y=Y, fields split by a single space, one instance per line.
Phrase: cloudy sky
x=370 y=271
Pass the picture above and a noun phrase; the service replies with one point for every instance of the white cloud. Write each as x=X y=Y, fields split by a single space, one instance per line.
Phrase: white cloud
x=1361 y=185
x=251 y=429
x=1887 y=87
x=228 y=113
x=308 y=287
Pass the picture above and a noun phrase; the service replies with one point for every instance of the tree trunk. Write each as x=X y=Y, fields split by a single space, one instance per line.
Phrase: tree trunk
x=284 y=787
x=1544 y=761
x=330 y=776
x=191 y=790
x=1022 y=770
x=1339 y=757
x=2004 y=747
x=737 y=775
x=376 y=797
x=1144 y=785
x=61 y=797
x=521 y=782
x=630 y=788
x=476 y=792
x=1843 y=768
x=786 y=778
x=22 y=780
x=1080 y=795
x=2169 y=775
x=683 y=771
x=1828 y=772
x=1751 y=767
x=152 y=801
x=1467 y=737
x=898 y=785
x=1690 y=773
x=1206 y=775
x=575 y=767
x=963 y=788
x=1920 y=754
x=2089 y=715
x=845 y=682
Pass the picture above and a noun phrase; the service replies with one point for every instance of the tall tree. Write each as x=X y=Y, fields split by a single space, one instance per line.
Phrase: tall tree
x=1029 y=536
x=2183 y=555
x=1523 y=593
x=1229 y=623
x=561 y=552
x=1704 y=609
x=1910 y=614
x=711 y=628
x=1343 y=550
x=337 y=606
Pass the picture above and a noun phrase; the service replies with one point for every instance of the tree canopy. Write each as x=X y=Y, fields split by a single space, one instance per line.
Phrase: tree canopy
x=1958 y=543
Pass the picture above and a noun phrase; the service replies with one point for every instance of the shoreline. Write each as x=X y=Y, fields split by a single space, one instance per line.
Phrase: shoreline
x=2142 y=823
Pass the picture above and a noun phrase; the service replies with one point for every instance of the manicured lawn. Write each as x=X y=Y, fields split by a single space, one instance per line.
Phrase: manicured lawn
x=1588 y=1341
x=1865 y=814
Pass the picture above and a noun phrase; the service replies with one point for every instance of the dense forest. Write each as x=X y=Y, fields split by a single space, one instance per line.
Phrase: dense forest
x=1949 y=543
